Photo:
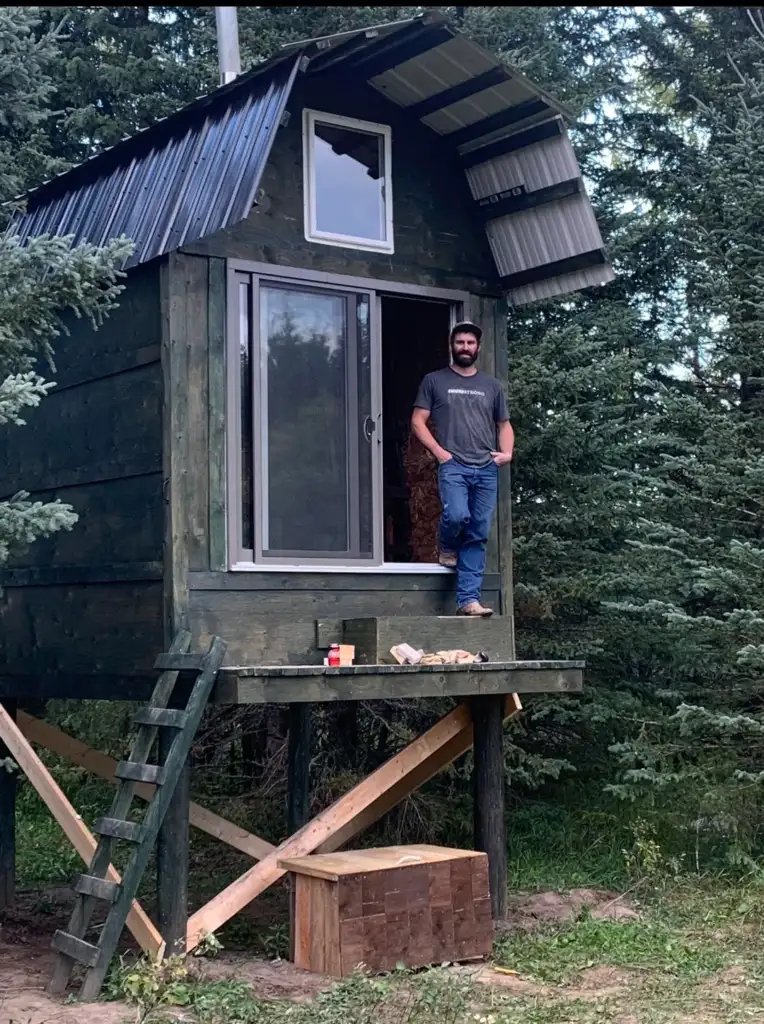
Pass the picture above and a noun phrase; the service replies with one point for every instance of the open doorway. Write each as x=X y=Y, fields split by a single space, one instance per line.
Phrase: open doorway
x=414 y=342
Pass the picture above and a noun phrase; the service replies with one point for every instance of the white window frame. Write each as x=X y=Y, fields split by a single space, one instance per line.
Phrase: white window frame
x=312 y=234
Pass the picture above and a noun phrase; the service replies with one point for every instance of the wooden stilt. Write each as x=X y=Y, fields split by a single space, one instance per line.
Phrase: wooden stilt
x=490 y=827
x=172 y=860
x=298 y=798
x=298 y=788
x=7 y=823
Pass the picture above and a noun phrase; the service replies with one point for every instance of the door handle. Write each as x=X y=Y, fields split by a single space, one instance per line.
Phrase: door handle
x=369 y=426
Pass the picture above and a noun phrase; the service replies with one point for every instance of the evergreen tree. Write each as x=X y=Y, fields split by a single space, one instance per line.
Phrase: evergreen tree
x=41 y=279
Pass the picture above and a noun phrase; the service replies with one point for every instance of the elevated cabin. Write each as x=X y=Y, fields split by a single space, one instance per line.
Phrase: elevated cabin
x=235 y=439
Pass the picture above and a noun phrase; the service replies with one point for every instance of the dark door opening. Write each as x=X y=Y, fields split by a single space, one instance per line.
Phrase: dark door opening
x=414 y=342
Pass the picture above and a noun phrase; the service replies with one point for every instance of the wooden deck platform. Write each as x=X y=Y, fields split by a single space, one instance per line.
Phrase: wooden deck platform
x=291 y=684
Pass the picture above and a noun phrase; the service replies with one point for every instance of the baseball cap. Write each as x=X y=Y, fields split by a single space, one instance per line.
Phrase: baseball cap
x=467 y=325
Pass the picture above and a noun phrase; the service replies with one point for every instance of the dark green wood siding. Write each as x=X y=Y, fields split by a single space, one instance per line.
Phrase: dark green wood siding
x=86 y=600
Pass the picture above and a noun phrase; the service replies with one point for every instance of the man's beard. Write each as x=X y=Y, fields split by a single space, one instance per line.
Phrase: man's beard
x=464 y=359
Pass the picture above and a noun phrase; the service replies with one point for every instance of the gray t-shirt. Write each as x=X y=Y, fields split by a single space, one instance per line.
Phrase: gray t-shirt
x=464 y=412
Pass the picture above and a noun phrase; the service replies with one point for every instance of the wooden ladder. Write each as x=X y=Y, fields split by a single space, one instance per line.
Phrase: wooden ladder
x=94 y=885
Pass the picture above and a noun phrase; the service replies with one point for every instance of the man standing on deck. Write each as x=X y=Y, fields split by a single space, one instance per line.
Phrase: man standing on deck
x=472 y=439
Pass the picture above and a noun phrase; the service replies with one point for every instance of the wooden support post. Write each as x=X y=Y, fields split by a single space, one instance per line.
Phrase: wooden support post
x=298 y=772
x=298 y=789
x=172 y=859
x=7 y=823
x=490 y=827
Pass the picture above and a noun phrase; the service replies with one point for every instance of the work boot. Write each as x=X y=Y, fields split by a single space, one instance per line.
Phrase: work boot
x=448 y=559
x=475 y=609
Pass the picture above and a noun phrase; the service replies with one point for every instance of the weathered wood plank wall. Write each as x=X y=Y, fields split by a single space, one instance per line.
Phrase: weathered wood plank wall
x=88 y=601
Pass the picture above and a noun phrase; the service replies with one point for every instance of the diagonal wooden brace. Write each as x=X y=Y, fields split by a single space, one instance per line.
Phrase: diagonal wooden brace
x=102 y=765
x=360 y=807
x=70 y=821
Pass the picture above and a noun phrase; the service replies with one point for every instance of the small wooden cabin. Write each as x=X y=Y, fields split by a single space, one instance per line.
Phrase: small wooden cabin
x=235 y=438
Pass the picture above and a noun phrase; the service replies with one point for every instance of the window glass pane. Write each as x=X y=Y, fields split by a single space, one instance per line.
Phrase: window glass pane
x=305 y=421
x=245 y=376
x=349 y=182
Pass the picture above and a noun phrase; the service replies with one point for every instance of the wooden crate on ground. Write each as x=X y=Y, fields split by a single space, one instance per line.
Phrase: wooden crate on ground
x=415 y=905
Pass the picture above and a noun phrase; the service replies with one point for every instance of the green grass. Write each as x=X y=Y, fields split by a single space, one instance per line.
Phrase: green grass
x=672 y=965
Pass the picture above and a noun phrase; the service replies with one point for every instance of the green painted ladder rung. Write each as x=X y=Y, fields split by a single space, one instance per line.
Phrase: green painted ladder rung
x=133 y=771
x=115 y=828
x=76 y=949
x=180 y=662
x=99 y=888
x=167 y=717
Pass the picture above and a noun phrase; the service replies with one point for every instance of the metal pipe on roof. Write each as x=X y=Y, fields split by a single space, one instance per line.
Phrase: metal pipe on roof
x=228 y=44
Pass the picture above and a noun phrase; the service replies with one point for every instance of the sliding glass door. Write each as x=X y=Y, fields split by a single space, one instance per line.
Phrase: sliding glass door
x=308 y=449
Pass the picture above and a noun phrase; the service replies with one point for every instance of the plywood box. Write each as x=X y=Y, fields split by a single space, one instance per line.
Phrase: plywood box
x=373 y=637
x=415 y=905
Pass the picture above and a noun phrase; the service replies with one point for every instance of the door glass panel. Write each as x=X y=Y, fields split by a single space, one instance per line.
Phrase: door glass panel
x=312 y=445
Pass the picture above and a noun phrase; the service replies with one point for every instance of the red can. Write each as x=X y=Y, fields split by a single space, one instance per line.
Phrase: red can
x=334 y=654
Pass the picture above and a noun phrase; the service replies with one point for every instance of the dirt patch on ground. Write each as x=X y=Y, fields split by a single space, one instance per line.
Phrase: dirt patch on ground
x=530 y=911
x=510 y=982
x=270 y=979
x=602 y=982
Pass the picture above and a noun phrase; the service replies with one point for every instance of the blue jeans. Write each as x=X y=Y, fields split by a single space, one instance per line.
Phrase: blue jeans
x=468 y=496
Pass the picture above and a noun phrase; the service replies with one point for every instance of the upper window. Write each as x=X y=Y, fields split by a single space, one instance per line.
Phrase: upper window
x=348 y=191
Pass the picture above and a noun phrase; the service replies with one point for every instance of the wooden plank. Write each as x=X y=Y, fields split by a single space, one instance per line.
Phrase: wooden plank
x=174 y=463
x=179 y=662
x=100 y=888
x=76 y=949
x=47 y=576
x=235 y=689
x=279 y=628
x=216 y=373
x=504 y=506
x=121 y=522
x=292 y=582
x=333 y=866
x=374 y=637
x=116 y=828
x=103 y=766
x=8 y=786
x=101 y=628
x=131 y=771
x=195 y=442
x=488 y=778
x=482 y=312
x=115 y=420
x=365 y=803
x=74 y=828
x=167 y=718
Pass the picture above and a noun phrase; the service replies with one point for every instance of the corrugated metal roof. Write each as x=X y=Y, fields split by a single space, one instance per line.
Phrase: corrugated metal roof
x=198 y=170
x=184 y=178
x=542 y=247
